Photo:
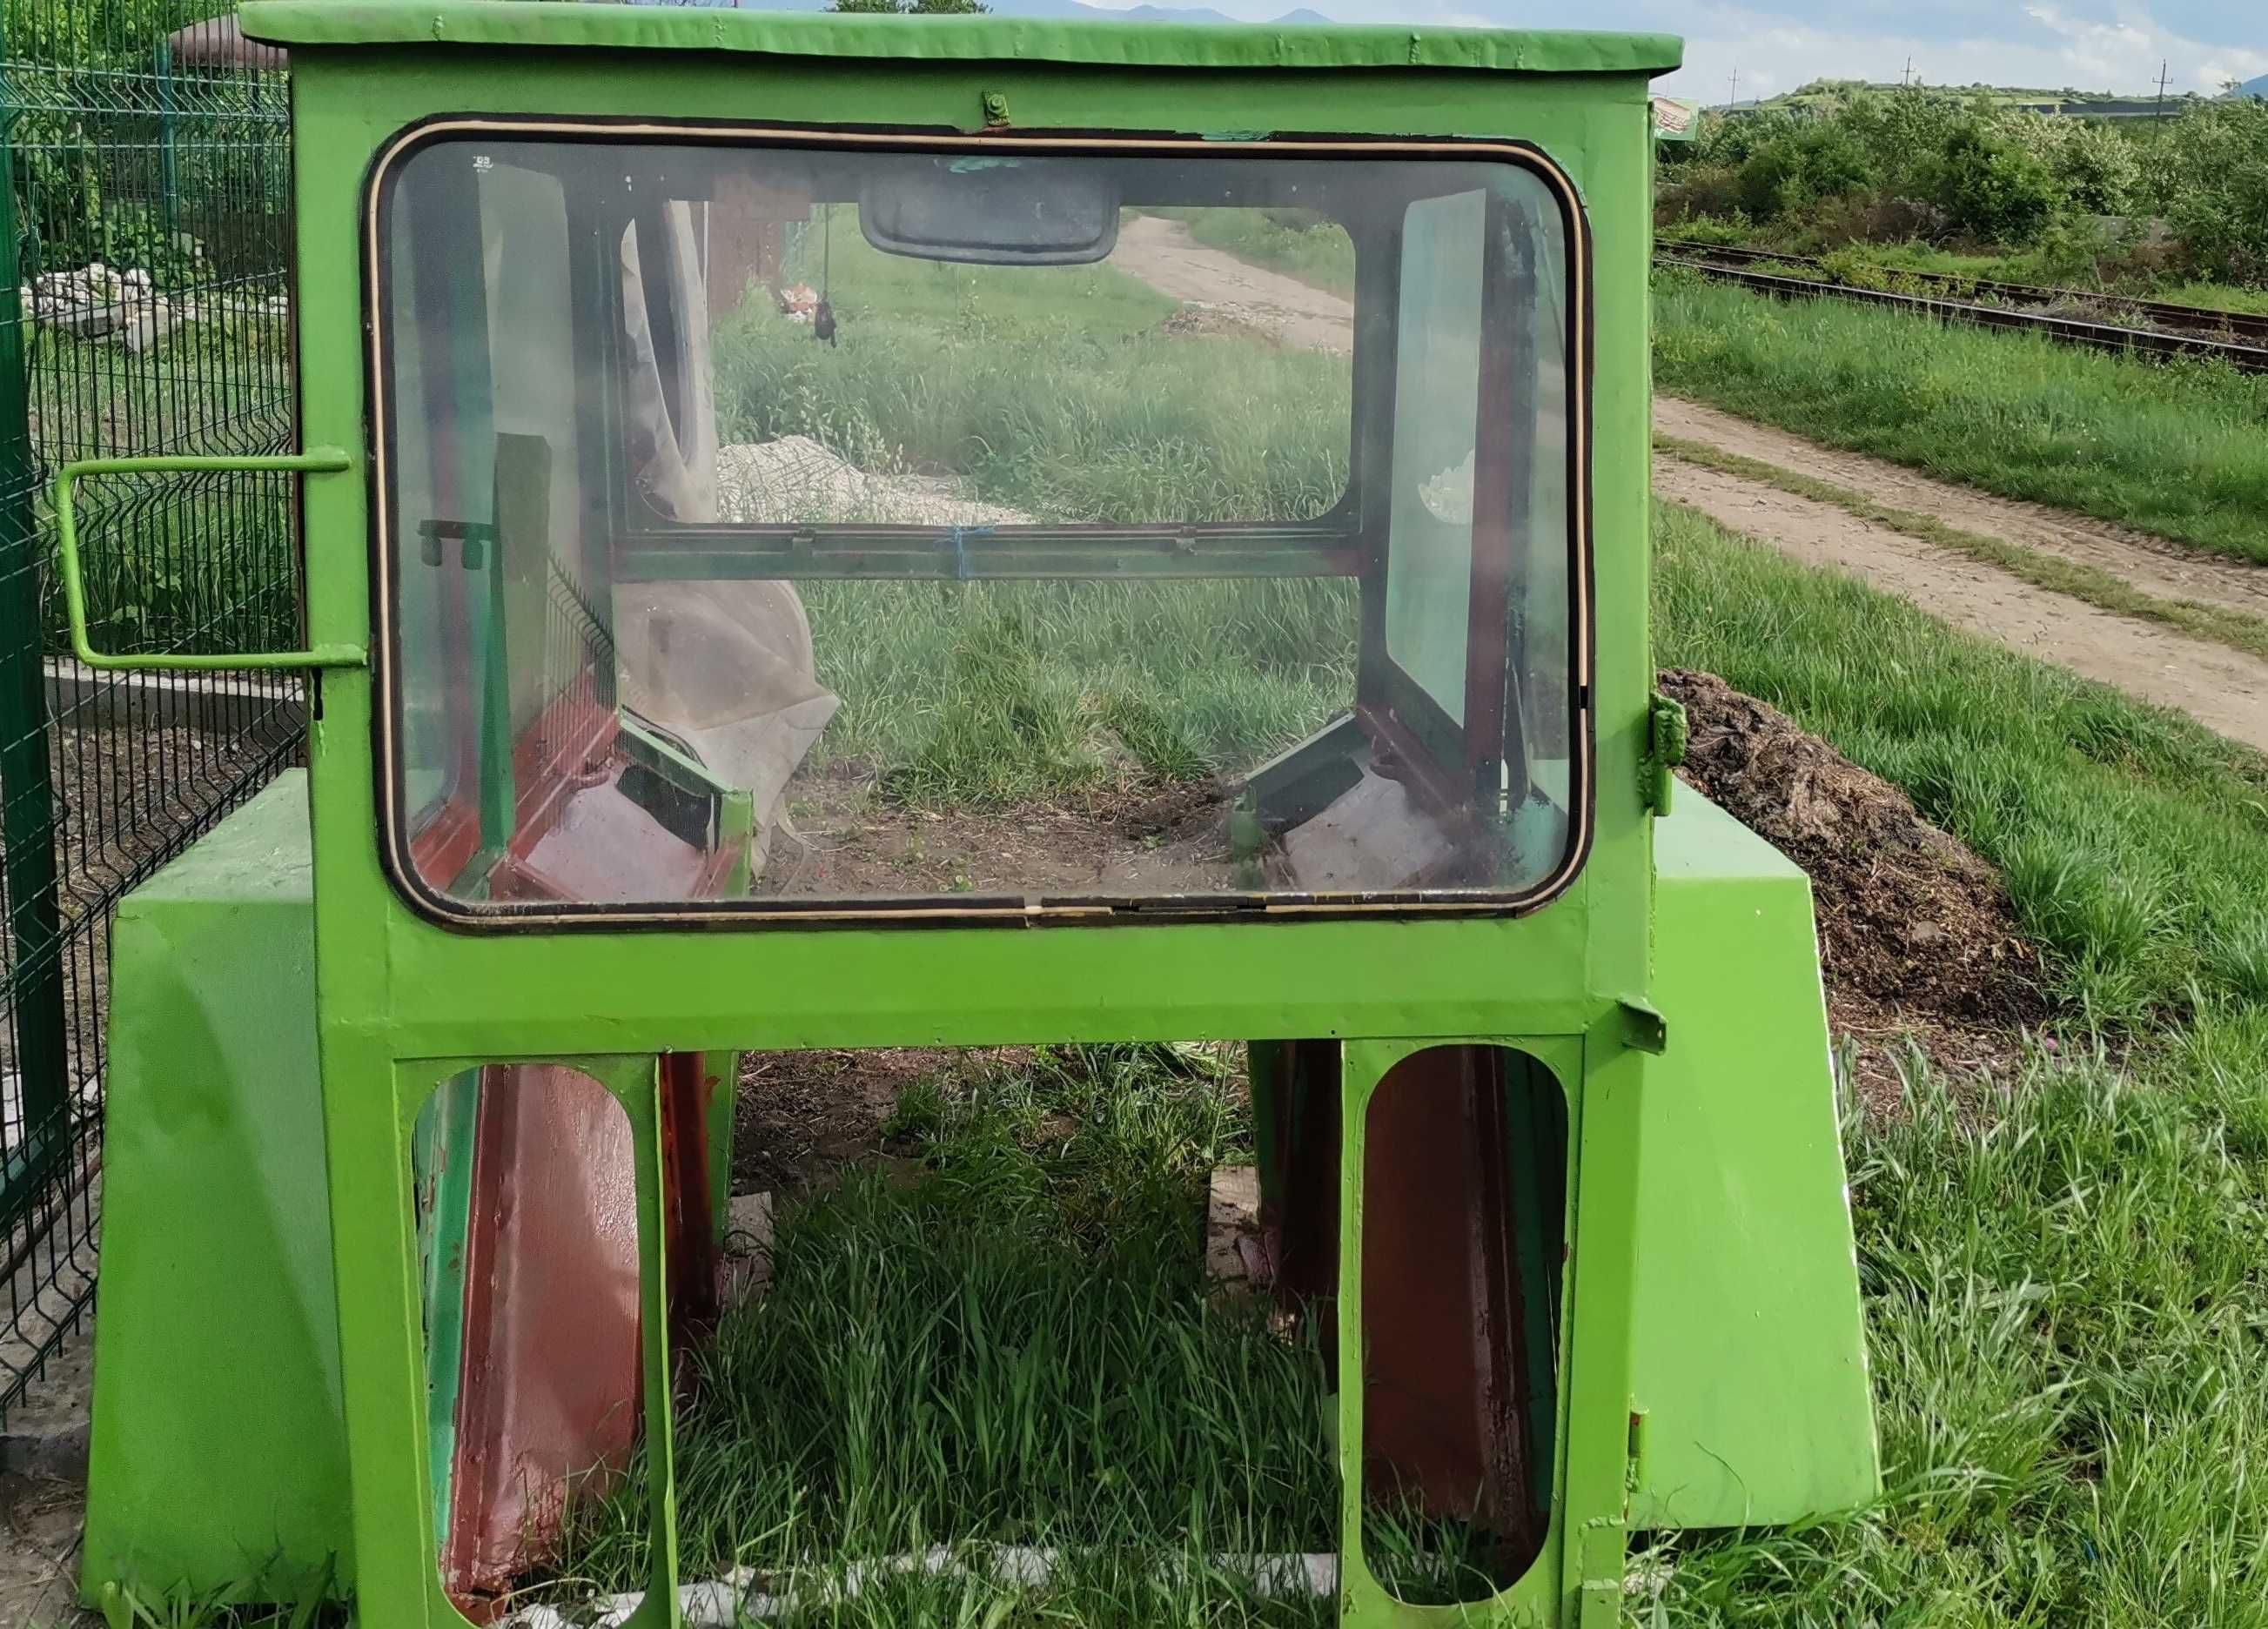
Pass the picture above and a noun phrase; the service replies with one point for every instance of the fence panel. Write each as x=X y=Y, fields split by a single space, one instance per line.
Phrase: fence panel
x=144 y=267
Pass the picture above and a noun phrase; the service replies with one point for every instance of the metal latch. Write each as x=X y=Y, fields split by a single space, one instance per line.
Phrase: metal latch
x=1644 y=1029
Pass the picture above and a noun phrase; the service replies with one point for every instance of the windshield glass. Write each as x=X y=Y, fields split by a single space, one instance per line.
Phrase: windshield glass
x=772 y=525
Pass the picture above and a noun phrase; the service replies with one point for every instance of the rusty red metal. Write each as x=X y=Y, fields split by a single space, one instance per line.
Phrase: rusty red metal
x=1300 y=1117
x=1445 y=1376
x=549 y=1396
x=551 y=1389
x=693 y=1252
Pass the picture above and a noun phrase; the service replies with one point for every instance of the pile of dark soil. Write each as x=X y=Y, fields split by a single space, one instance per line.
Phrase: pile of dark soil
x=850 y=842
x=1212 y=321
x=1918 y=936
x=800 y=1117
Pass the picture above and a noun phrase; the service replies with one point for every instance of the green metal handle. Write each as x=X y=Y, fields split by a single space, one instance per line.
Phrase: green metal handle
x=320 y=462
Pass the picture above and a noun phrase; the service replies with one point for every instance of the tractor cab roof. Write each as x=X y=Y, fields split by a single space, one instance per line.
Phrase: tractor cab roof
x=534 y=23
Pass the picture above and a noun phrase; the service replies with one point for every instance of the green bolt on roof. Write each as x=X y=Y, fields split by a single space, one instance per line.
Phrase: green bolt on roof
x=953 y=39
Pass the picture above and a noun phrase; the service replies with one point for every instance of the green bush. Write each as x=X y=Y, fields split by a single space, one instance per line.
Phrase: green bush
x=2219 y=216
x=136 y=235
x=1843 y=164
x=2098 y=169
x=1800 y=168
x=1991 y=186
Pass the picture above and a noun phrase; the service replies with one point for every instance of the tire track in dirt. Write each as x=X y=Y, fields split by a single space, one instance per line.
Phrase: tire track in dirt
x=2223 y=688
x=2166 y=570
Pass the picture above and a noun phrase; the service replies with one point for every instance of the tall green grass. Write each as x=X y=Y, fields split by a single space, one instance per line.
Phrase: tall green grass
x=2179 y=449
x=1054 y=391
x=997 y=693
x=1006 y=1340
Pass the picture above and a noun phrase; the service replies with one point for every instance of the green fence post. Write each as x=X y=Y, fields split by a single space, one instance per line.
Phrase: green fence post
x=26 y=798
x=169 y=170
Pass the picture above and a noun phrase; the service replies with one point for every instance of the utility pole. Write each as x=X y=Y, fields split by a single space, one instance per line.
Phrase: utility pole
x=2161 y=115
x=1906 y=80
x=1735 y=101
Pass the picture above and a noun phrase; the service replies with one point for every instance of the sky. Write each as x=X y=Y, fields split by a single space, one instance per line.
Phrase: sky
x=1775 y=45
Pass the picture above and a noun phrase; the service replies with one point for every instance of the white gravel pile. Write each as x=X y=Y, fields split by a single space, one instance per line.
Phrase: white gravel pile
x=796 y=481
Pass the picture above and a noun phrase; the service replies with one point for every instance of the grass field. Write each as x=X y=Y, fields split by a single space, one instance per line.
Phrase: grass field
x=2177 y=450
x=1056 y=392
x=1011 y=1346
x=1052 y=390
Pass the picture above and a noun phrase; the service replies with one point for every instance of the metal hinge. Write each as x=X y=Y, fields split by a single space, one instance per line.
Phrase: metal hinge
x=1665 y=750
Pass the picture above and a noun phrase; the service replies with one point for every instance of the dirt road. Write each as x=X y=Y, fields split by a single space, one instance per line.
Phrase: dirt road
x=2222 y=687
x=1163 y=254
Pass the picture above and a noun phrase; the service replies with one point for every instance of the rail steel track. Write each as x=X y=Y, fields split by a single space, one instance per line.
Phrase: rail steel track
x=2238 y=338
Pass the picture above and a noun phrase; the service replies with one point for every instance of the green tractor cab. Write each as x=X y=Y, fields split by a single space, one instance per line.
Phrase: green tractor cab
x=732 y=439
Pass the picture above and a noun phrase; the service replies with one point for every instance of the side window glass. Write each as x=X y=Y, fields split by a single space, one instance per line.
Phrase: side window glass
x=1436 y=423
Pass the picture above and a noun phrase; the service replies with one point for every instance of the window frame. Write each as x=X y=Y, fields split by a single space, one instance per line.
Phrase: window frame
x=395 y=835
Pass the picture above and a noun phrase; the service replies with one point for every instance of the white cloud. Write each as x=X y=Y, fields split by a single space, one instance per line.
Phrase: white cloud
x=2112 y=51
x=2038 y=45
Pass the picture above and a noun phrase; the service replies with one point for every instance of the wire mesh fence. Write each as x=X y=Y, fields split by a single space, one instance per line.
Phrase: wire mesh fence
x=145 y=256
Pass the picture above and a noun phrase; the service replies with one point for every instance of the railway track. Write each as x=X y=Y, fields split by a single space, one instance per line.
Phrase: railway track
x=2238 y=338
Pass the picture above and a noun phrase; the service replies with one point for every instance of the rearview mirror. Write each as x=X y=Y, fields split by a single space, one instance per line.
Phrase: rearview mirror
x=992 y=212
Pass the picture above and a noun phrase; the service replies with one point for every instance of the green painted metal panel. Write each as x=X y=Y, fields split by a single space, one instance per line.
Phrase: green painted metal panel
x=960 y=39
x=219 y=1451
x=1750 y=1357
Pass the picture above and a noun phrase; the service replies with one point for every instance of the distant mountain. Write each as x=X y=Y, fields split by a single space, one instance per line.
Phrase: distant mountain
x=2255 y=87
